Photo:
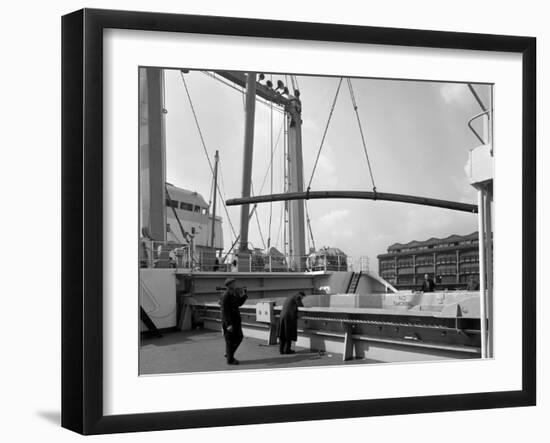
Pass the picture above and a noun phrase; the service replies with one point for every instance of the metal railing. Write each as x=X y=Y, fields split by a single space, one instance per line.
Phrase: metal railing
x=398 y=328
x=155 y=254
x=475 y=117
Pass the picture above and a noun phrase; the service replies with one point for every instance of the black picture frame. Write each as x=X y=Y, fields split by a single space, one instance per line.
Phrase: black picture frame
x=82 y=231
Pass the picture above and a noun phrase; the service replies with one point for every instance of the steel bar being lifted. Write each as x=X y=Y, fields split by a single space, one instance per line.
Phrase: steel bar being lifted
x=365 y=195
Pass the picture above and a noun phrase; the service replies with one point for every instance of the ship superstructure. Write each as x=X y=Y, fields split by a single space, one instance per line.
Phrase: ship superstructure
x=188 y=213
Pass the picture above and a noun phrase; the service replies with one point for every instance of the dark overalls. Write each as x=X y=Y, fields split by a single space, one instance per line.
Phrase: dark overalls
x=230 y=302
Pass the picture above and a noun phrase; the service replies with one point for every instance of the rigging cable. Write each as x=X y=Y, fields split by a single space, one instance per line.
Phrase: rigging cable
x=222 y=185
x=271 y=171
x=285 y=184
x=297 y=85
x=309 y=226
x=293 y=84
x=206 y=150
x=211 y=193
x=308 y=244
x=175 y=236
x=183 y=231
x=239 y=236
x=478 y=99
x=354 y=103
x=197 y=123
x=270 y=167
x=280 y=224
x=257 y=219
x=324 y=133
x=265 y=175
x=271 y=161
x=259 y=228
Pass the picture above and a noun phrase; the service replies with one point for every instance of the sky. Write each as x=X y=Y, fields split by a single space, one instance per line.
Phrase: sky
x=416 y=135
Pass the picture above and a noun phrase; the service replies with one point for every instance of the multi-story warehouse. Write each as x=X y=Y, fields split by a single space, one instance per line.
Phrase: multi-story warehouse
x=450 y=262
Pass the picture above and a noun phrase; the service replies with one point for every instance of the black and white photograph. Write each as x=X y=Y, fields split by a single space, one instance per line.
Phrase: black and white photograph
x=296 y=220
x=256 y=221
x=290 y=217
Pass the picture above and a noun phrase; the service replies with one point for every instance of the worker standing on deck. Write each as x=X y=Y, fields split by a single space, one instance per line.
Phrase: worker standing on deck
x=472 y=285
x=428 y=284
x=288 y=322
x=231 y=300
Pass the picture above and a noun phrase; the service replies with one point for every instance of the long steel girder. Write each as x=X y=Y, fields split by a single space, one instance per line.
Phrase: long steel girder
x=363 y=195
x=404 y=328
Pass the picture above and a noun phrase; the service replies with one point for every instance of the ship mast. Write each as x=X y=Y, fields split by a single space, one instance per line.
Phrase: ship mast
x=248 y=151
x=297 y=240
x=213 y=234
x=152 y=153
x=294 y=164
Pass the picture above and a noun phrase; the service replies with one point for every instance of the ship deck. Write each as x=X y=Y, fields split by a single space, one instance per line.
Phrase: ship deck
x=203 y=350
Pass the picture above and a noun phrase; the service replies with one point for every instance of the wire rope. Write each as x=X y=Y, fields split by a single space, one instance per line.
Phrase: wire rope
x=205 y=149
x=271 y=171
x=325 y=133
x=355 y=107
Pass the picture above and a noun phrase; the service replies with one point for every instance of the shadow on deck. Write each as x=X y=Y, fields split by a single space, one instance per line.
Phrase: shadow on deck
x=203 y=350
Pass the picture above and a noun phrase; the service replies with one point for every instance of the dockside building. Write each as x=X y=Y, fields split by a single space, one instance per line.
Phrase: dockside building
x=450 y=262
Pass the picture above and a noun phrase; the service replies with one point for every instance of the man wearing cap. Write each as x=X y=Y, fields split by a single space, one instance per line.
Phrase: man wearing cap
x=288 y=322
x=230 y=302
x=428 y=284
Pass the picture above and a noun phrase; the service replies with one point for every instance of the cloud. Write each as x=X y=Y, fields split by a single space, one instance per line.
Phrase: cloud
x=326 y=173
x=469 y=197
x=333 y=218
x=335 y=228
x=326 y=176
x=454 y=93
x=424 y=222
x=310 y=125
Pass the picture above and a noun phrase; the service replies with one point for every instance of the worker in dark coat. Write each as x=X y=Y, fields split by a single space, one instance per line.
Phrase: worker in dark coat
x=428 y=284
x=472 y=285
x=230 y=302
x=288 y=322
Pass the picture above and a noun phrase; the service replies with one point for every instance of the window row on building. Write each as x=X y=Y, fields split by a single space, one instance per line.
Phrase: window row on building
x=421 y=261
x=452 y=264
x=452 y=242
